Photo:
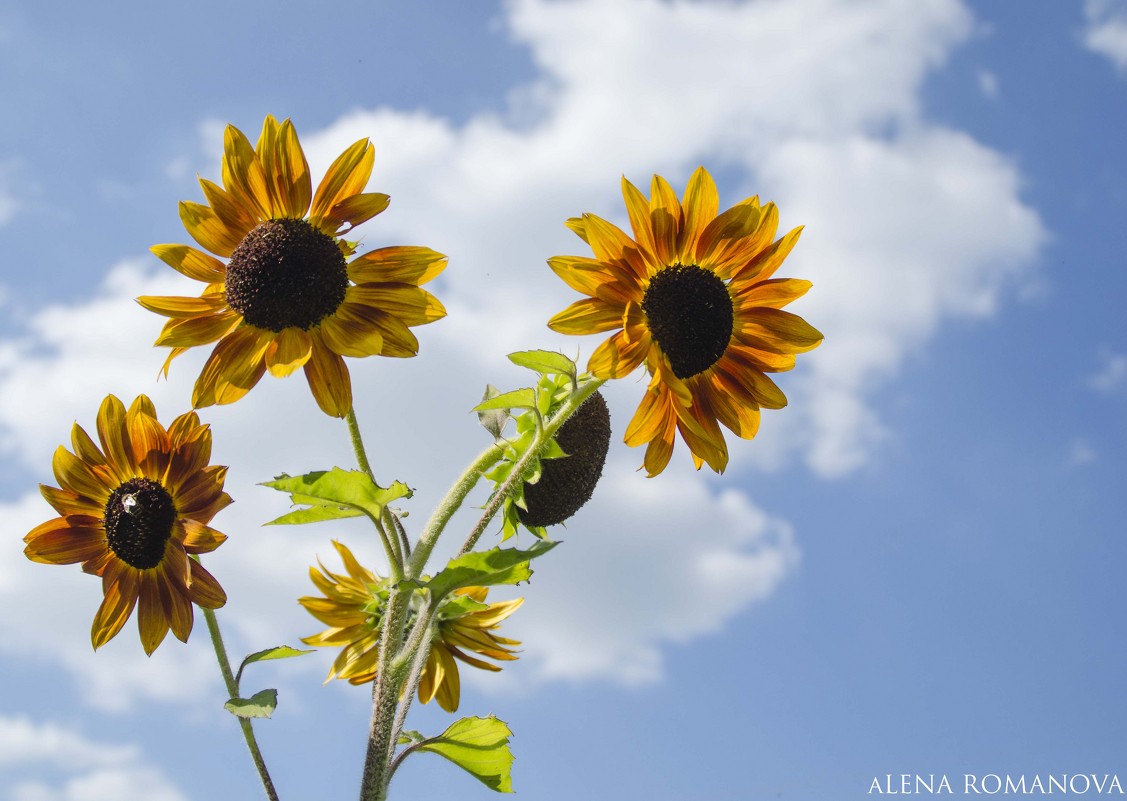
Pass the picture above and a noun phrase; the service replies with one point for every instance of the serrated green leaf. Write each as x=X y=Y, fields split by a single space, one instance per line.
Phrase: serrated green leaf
x=479 y=746
x=544 y=361
x=260 y=705
x=278 y=652
x=493 y=419
x=326 y=491
x=517 y=399
x=487 y=568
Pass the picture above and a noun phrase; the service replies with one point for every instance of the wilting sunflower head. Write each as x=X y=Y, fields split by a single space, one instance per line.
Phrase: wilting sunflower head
x=353 y=607
x=287 y=296
x=567 y=483
x=691 y=296
x=131 y=512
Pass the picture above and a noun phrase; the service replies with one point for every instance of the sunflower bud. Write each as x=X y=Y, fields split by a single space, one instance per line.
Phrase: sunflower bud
x=567 y=483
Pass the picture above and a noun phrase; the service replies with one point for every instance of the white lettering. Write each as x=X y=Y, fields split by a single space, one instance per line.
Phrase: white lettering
x=1115 y=785
x=1060 y=783
x=875 y=786
x=1072 y=783
x=970 y=782
x=1012 y=787
x=997 y=783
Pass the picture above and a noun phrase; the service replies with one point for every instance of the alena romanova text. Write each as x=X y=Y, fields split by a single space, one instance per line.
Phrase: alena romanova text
x=996 y=784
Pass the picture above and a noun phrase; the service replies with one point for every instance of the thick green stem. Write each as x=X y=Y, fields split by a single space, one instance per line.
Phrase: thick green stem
x=385 y=697
x=547 y=431
x=233 y=692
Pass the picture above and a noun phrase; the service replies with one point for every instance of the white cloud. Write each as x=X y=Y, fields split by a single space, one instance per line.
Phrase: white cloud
x=77 y=768
x=1105 y=31
x=1111 y=375
x=812 y=103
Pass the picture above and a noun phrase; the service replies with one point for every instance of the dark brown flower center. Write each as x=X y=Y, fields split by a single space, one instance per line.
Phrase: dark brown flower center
x=568 y=482
x=689 y=312
x=138 y=521
x=286 y=273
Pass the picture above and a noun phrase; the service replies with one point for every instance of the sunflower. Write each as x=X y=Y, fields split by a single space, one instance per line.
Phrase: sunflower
x=287 y=297
x=692 y=297
x=353 y=609
x=131 y=512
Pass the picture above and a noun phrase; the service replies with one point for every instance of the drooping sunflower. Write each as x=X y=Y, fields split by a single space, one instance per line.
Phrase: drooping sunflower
x=287 y=297
x=353 y=608
x=131 y=512
x=693 y=299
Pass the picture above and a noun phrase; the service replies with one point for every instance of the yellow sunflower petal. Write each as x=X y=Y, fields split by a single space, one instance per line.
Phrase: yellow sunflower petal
x=191 y=331
x=638 y=210
x=356 y=209
x=764 y=265
x=114 y=435
x=234 y=367
x=328 y=379
x=779 y=330
x=401 y=264
x=181 y=307
x=66 y=502
x=205 y=226
x=406 y=302
x=244 y=177
x=449 y=689
x=588 y=316
x=151 y=620
x=347 y=176
x=148 y=438
x=774 y=293
x=66 y=540
x=287 y=351
x=287 y=172
x=199 y=538
x=117 y=606
x=193 y=263
x=77 y=476
x=702 y=202
x=203 y=589
x=617 y=357
x=229 y=210
x=665 y=220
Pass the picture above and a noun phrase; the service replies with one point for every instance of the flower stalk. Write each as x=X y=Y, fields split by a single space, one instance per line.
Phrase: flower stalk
x=233 y=692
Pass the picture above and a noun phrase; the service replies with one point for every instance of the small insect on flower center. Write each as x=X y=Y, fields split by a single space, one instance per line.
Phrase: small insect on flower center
x=138 y=521
x=689 y=313
x=286 y=273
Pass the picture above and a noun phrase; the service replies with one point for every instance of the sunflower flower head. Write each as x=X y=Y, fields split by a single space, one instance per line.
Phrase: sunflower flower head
x=287 y=295
x=131 y=511
x=353 y=607
x=691 y=295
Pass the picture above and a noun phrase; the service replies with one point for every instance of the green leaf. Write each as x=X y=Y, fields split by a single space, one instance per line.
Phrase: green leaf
x=260 y=705
x=544 y=361
x=410 y=736
x=479 y=746
x=487 y=568
x=517 y=399
x=493 y=419
x=278 y=652
x=335 y=493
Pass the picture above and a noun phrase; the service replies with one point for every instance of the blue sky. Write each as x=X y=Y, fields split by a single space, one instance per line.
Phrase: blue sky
x=915 y=568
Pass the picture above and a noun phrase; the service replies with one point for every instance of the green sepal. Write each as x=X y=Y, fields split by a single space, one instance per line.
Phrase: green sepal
x=260 y=705
x=517 y=399
x=493 y=419
x=544 y=361
x=278 y=652
x=487 y=568
x=479 y=746
x=335 y=493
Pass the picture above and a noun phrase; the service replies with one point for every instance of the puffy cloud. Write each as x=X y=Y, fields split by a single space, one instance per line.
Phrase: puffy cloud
x=1111 y=375
x=94 y=771
x=1105 y=30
